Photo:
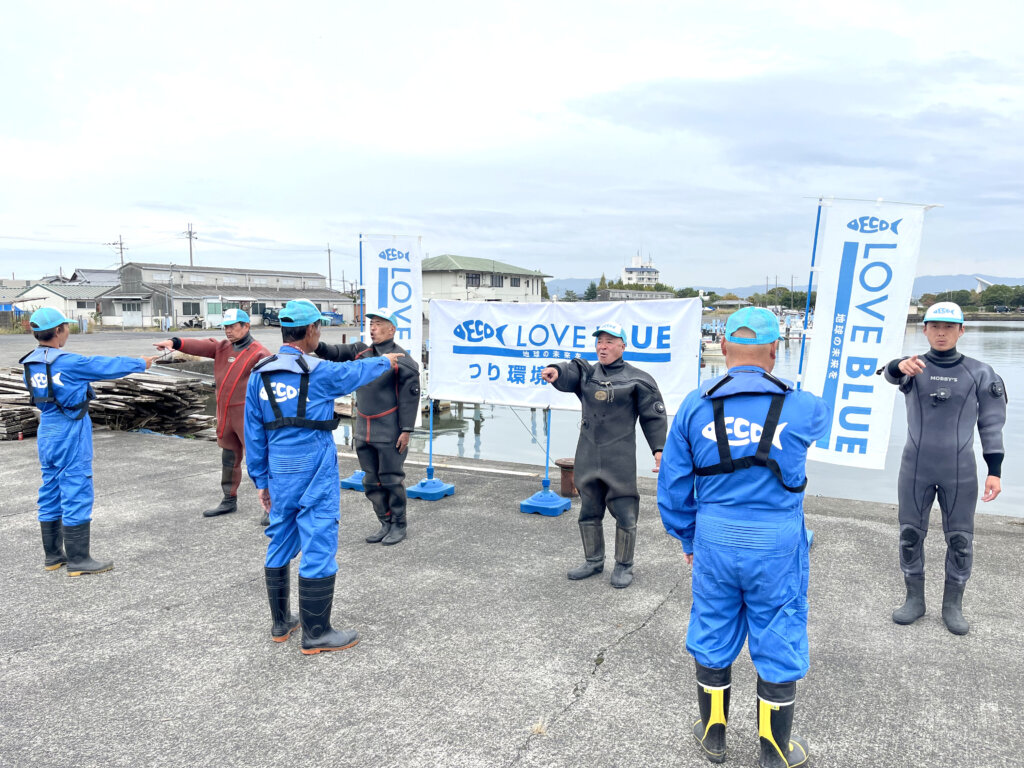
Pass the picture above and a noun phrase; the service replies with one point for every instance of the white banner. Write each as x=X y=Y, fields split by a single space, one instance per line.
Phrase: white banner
x=493 y=352
x=392 y=278
x=867 y=259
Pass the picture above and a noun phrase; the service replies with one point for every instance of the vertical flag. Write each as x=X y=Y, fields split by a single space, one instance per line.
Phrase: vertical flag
x=867 y=260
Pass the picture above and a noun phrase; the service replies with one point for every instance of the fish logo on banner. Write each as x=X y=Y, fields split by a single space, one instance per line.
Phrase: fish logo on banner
x=393 y=254
x=866 y=276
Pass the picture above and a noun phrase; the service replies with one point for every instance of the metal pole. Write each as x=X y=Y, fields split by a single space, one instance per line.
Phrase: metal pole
x=362 y=291
x=807 y=306
x=547 y=453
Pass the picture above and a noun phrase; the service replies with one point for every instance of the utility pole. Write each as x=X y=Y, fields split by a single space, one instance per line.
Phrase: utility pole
x=330 y=280
x=191 y=236
x=120 y=247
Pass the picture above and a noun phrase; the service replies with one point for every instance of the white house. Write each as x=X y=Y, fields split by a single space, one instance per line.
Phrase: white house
x=78 y=302
x=638 y=273
x=467 y=278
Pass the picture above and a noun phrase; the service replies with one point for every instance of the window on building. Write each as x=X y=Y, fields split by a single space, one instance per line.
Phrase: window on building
x=131 y=306
x=497 y=281
x=194 y=278
x=190 y=307
x=85 y=304
x=231 y=305
x=513 y=282
x=229 y=280
x=257 y=308
x=472 y=280
x=161 y=277
x=287 y=283
x=260 y=280
x=212 y=308
x=527 y=282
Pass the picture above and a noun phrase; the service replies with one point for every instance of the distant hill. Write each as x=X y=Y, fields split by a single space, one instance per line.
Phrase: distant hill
x=560 y=286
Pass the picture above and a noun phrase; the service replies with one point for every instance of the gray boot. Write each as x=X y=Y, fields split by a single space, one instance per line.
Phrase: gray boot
x=625 y=541
x=76 y=544
x=593 y=548
x=952 y=608
x=396 y=532
x=913 y=608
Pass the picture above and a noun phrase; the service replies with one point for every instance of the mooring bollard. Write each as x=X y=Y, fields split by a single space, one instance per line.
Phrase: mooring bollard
x=568 y=484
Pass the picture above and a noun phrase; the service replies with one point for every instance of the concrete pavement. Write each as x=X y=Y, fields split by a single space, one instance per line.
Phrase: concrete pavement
x=476 y=650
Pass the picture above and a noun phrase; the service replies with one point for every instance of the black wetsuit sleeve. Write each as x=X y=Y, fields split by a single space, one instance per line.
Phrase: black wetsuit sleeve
x=339 y=353
x=893 y=374
x=651 y=410
x=570 y=376
x=176 y=342
x=995 y=463
x=408 y=393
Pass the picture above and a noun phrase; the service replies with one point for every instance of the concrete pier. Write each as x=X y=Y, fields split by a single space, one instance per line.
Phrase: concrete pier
x=476 y=650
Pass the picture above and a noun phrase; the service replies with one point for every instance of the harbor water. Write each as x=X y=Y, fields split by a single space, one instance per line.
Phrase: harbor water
x=518 y=434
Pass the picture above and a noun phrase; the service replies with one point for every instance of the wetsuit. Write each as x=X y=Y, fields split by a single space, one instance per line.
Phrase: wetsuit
x=59 y=384
x=613 y=397
x=289 y=420
x=385 y=408
x=944 y=403
x=232 y=363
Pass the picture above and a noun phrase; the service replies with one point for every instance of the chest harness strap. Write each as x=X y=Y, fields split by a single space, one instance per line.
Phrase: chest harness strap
x=74 y=412
x=727 y=463
x=299 y=419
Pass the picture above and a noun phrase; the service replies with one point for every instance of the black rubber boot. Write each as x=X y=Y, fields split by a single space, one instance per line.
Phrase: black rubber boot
x=593 y=549
x=952 y=608
x=230 y=502
x=713 y=687
x=53 y=544
x=227 y=504
x=265 y=520
x=76 y=544
x=396 y=532
x=776 y=703
x=278 y=588
x=913 y=608
x=316 y=597
x=625 y=541
x=385 y=526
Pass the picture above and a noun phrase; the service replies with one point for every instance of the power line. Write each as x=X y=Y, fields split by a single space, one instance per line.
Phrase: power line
x=120 y=247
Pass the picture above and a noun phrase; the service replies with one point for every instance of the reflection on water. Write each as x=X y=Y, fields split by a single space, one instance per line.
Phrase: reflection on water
x=518 y=434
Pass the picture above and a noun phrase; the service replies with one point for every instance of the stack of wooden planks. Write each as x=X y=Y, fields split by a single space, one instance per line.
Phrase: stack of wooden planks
x=140 y=401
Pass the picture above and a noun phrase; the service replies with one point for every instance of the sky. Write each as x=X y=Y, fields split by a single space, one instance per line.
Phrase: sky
x=561 y=136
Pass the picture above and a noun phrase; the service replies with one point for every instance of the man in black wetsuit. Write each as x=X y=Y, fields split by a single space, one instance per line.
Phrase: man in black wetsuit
x=614 y=394
x=385 y=418
x=947 y=394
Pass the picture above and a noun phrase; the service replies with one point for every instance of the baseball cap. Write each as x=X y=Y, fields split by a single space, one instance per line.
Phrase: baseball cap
x=612 y=329
x=298 y=313
x=762 y=322
x=232 y=316
x=944 y=312
x=45 y=318
x=383 y=314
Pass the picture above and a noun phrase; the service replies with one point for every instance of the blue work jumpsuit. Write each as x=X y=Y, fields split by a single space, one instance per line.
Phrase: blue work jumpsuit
x=65 y=429
x=293 y=453
x=743 y=527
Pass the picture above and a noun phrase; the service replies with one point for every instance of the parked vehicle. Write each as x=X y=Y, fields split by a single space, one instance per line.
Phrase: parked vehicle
x=270 y=317
x=1000 y=308
x=336 y=318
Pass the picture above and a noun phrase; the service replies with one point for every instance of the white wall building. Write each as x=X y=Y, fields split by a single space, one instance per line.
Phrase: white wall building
x=466 y=278
x=77 y=302
x=639 y=273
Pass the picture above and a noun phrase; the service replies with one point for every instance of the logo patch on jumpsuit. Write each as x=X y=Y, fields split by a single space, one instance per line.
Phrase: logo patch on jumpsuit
x=745 y=432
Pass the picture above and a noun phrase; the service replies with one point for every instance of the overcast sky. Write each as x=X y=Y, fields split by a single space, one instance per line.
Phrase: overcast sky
x=562 y=136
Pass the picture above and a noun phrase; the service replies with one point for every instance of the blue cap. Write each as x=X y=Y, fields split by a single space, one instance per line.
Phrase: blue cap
x=45 y=318
x=232 y=316
x=762 y=322
x=298 y=313
x=612 y=329
x=944 y=312
x=383 y=314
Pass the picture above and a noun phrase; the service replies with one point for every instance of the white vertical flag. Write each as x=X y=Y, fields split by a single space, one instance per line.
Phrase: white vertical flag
x=867 y=259
x=392 y=277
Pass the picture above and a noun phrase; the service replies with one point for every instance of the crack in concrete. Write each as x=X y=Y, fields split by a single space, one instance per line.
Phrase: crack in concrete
x=583 y=684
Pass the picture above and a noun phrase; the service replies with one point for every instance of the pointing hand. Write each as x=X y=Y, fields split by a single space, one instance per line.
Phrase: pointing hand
x=912 y=366
x=549 y=374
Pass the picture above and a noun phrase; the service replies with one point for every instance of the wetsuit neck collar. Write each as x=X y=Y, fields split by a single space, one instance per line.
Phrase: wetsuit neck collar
x=242 y=343
x=616 y=366
x=945 y=358
x=384 y=347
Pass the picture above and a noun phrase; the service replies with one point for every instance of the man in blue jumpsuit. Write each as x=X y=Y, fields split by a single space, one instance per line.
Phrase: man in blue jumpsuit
x=731 y=489
x=59 y=384
x=292 y=459
x=948 y=394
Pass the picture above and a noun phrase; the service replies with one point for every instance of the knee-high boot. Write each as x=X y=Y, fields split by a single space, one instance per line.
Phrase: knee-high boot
x=593 y=549
x=76 y=544
x=713 y=687
x=278 y=589
x=776 y=703
x=53 y=544
x=316 y=596
x=230 y=501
